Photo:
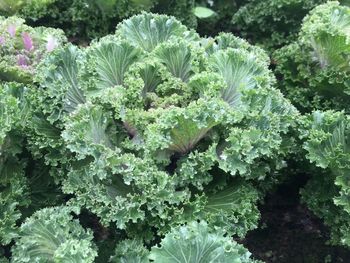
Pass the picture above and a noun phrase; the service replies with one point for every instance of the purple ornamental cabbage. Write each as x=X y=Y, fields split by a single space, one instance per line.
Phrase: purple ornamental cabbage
x=23 y=47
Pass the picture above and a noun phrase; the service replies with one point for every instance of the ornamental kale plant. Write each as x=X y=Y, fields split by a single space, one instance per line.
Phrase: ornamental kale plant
x=153 y=129
x=326 y=140
x=157 y=143
x=194 y=242
x=22 y=48
x=52 y=235
x=315 y=68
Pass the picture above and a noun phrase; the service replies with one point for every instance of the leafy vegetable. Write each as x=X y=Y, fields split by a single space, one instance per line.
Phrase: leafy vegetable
x=194 y=242
x=152 y=125
x=157 y=140
x=327 y=145
x=197 y=243
x=53 y=235
x=22 y=48
x=315 y=67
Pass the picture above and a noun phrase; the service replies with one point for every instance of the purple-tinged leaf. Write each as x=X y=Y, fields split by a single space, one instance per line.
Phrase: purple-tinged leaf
x=2 y=40
x=27 y=41
x=22 y=61
x=12 y=30
x=51 y=43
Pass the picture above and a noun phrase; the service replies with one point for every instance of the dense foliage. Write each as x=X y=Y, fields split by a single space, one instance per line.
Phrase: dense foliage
x=92 y=18
x=270 y=23
x=315 y=68
x=326 y=136
x=150 y=128
x=158 y=143
x=22 y=48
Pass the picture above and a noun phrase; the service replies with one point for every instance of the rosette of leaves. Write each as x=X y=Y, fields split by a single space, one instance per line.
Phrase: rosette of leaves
x=326 y=137
x=195 y=242
x=156 y=126
x=315 y=68
x=23 y=47
x=53 y=235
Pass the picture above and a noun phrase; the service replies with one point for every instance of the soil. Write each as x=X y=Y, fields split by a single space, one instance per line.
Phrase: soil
x=290 y=233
